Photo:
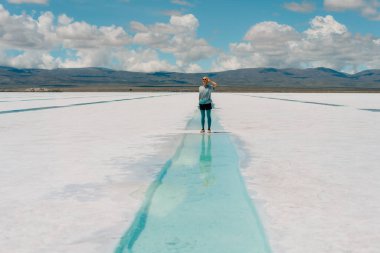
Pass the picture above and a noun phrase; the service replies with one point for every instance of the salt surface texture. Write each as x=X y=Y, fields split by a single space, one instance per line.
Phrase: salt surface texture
x=73 y=178
x=312 y=169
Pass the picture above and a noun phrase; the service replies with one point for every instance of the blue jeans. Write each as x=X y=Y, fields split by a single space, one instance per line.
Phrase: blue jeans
x=208 y=112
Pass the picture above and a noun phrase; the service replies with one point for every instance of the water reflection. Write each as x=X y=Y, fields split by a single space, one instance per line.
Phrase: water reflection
x=205 y=161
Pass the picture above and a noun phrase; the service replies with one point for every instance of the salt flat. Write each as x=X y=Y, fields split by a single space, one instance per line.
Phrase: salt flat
x=72 y=178
x=312 y=169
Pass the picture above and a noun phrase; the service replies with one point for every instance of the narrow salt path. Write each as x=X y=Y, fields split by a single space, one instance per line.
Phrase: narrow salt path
x=198 y=202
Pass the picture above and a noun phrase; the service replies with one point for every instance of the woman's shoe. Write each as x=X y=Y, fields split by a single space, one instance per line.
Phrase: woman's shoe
x=209 y=131
x=202 y=131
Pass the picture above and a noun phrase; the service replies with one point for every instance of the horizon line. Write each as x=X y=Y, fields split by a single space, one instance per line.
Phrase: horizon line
x=205 y=72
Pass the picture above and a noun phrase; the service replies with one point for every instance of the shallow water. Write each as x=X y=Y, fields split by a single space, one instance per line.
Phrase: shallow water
x=75 y=104
x=198 y=202
x=295 y=100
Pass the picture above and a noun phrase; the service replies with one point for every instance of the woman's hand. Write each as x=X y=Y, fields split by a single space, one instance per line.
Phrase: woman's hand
x=214 y=84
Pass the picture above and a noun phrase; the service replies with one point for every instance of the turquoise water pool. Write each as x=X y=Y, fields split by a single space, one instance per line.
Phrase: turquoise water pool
x=198 y=203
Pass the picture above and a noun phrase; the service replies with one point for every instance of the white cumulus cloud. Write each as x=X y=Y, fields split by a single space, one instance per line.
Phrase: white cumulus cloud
x=341 y=5
x=325 y=43
x=368 y=8
x=181 y=2
x=84 y=35
x=325 y=26
x=178 y=37
x=24 y=32
x=28 y=1
x=145 y=60
x=302 y=7
x=82 y=44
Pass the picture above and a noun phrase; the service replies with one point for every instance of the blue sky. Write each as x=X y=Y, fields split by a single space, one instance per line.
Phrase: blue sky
x=201 y=35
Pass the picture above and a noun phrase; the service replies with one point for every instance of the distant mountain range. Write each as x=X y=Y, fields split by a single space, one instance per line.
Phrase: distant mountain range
x=241 y=79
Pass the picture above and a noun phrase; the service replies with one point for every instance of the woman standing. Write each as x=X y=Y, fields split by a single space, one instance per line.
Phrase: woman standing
x=205 y=102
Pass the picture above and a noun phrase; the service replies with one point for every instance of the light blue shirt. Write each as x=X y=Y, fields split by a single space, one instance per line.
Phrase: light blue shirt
x=205 y=94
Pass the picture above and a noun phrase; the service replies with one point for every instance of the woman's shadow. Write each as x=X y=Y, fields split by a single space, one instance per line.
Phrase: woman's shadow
x=205 y=161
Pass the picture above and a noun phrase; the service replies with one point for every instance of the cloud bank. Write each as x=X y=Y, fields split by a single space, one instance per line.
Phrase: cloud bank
x=49 y=41
x=325 y=43
x=81 y=44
